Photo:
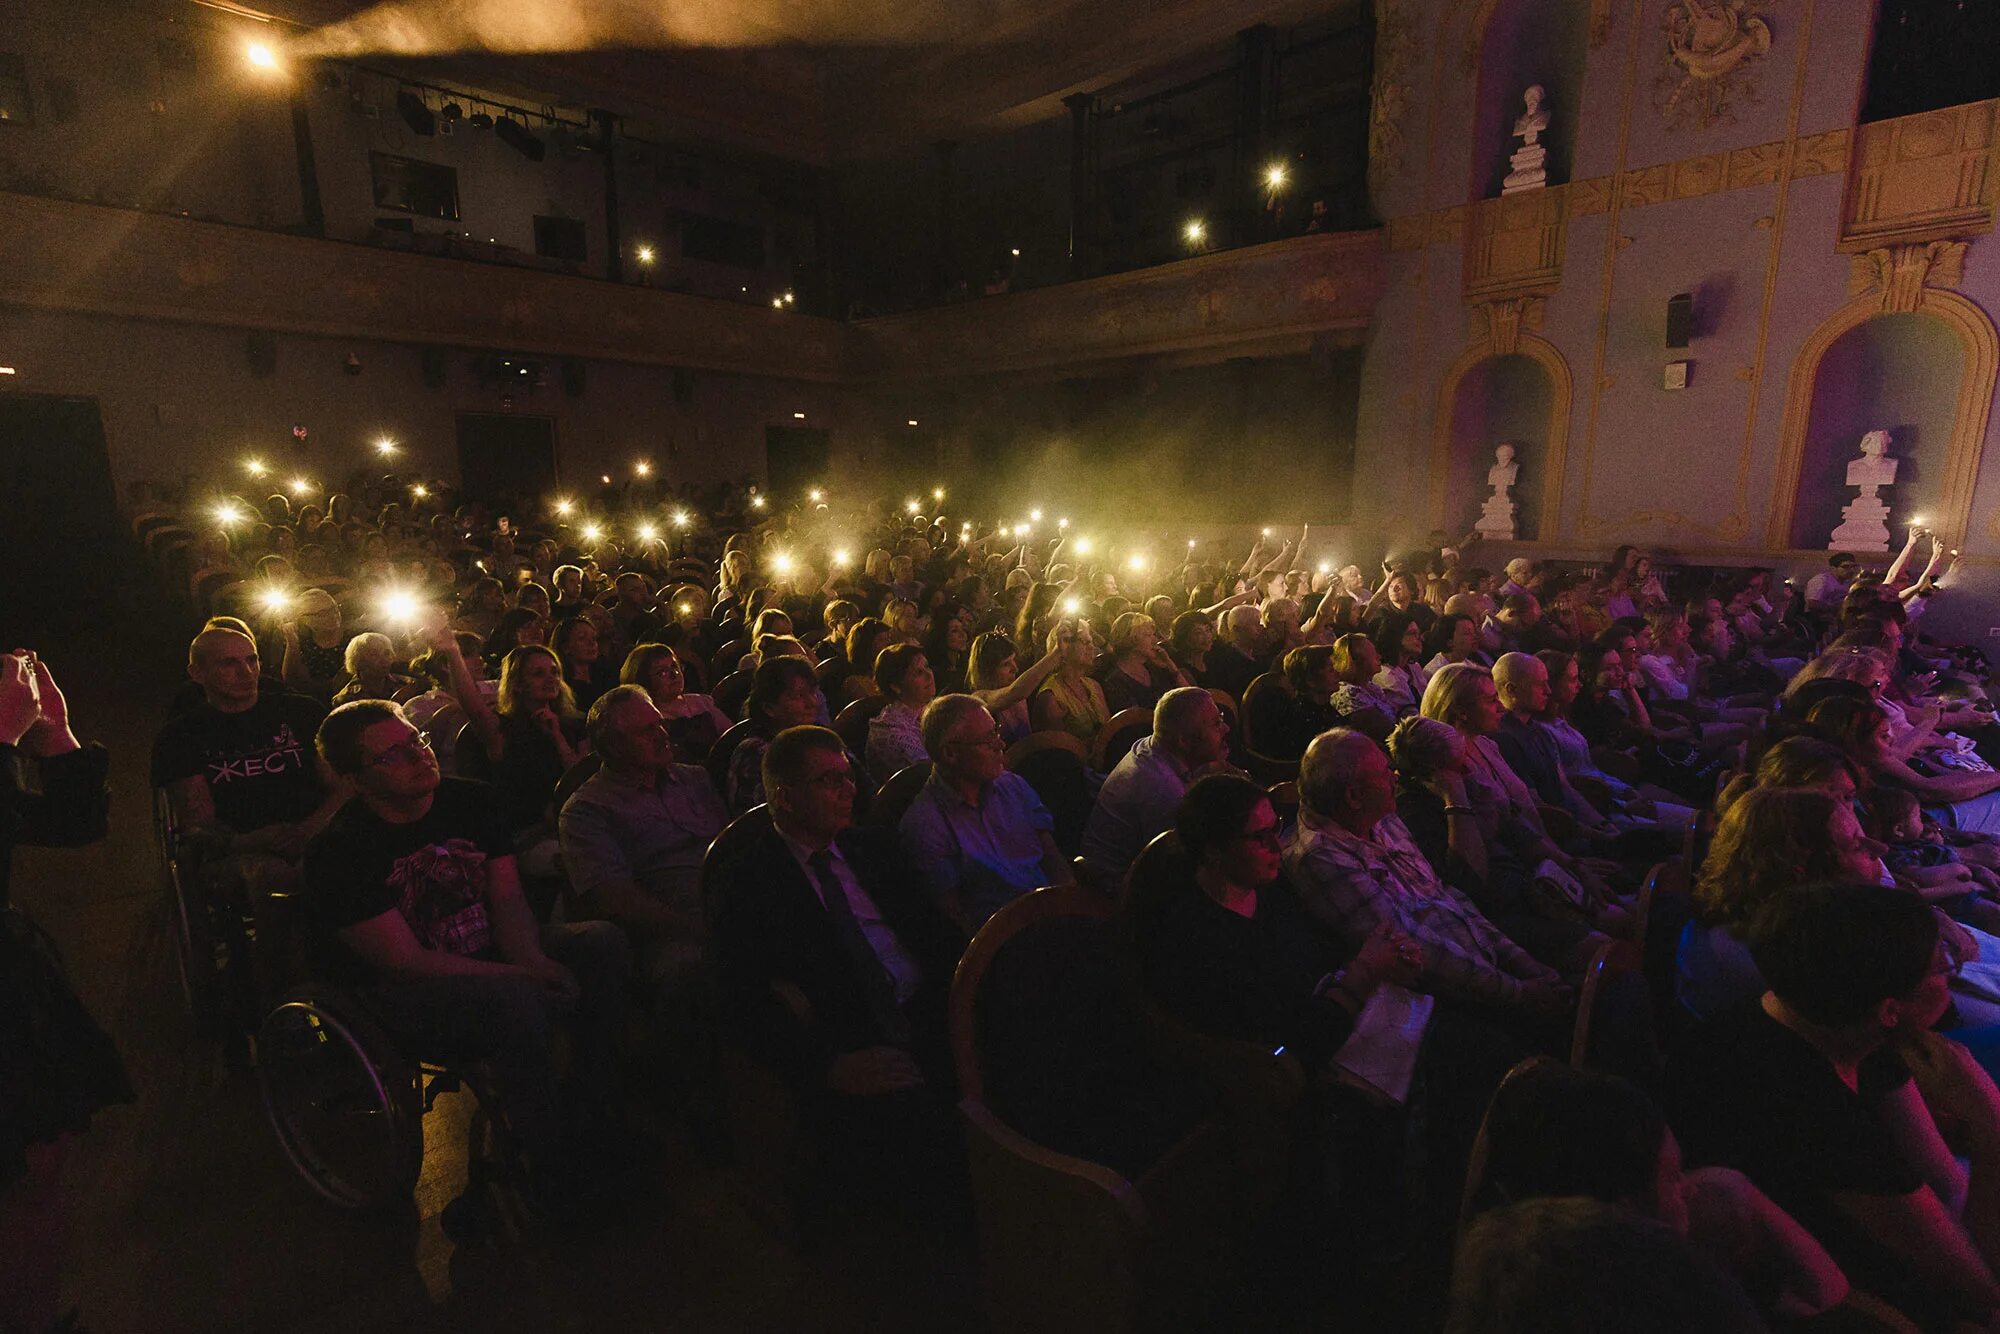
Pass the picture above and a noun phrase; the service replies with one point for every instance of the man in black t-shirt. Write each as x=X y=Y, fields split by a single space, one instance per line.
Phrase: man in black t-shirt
x=414 y=901
x=246 y=790
x=1809 y=1091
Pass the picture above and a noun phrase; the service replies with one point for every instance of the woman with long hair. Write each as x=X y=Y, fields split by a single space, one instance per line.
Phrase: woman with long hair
x=998 y=682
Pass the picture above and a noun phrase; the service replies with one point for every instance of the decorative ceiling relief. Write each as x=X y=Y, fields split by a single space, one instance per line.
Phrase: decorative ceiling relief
x=1901 y=273
x=1389 y=98
x=1713 y=52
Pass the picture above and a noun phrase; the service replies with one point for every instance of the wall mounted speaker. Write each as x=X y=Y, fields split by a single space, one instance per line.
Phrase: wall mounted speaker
x=1680 y=319
x=260 y=350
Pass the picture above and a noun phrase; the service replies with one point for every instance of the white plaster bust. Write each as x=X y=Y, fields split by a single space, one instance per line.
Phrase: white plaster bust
x=1504 y=470
x=1534 y=120
x=1874 y=468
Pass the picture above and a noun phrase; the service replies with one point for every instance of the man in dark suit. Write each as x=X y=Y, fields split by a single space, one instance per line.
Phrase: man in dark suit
x=797 y=898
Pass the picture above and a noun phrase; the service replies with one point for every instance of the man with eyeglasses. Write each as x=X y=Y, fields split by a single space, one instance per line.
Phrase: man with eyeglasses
x=414 y=902
x=635 y=832
x=979 y=836
x=800 y=901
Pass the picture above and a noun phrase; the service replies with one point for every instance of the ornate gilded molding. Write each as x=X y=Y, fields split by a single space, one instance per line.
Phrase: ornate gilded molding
x=1389 y=96
x=1901 y=273
x=1713 y=48
x=1979 y=371
x=1513 y=244
x=1922 y=178
x=1498 y=323
x=1687 y=178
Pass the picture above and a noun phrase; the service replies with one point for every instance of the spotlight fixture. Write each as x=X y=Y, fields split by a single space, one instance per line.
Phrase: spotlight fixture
x=480 y=120
x=515 y=135
x=452 y=111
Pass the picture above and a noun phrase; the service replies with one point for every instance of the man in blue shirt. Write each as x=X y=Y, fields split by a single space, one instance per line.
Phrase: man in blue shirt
x=979 y=835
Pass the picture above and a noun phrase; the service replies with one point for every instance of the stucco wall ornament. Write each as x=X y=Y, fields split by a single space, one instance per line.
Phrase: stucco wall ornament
x=1712 y=50
x=1389 y=97
x=1902 y=272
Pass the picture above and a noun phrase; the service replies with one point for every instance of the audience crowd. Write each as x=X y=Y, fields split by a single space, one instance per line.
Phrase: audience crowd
x=753 y=775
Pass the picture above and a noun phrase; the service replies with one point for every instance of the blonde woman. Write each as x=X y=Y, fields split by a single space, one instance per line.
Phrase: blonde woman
x=1070 y=701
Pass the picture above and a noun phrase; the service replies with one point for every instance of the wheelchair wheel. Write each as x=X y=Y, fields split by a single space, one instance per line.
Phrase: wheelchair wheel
x=346 y=1107
x=188 y=919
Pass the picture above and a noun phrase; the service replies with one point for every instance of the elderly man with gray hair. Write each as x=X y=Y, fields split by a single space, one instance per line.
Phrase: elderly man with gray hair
x=1143 y=793
x=977 y=834
x=635 y=832
x=1355 y=866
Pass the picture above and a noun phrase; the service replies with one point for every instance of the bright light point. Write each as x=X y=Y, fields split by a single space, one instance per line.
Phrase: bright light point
x=1083 y=546
x=1015 y=252
x=228 y=514
x=841 y=558
x=645 y=254
x=798 y=416
x=255 y=467
x=1267 y=532
x=680 y=518
x=683 y=608
x=1195 y=231
x=911 y=507
x=605 y=478
x=912 y=421
x=385 y=446
x=1034 y=516
x=1275 y=176
x=782 y=563
x=756 y=502
x=937 y=493
x=6 y=370
x=1136 y=564
x=643 y=468
x=789 y=298
x=1071 y=606
x=1020 y=530
x=647 y=532
x=1190 y=544
x=420 y=491
x=777 y=303
x=260 y=56
x=591 y=532
x=300 y=486
x=1326 y=567
x=399 y=608
x=816 y=495
x=274 y=599
x=565 y=508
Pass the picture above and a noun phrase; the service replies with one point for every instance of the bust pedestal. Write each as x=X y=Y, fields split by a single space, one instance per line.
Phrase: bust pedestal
x=1864 y=523
x=1530 y=171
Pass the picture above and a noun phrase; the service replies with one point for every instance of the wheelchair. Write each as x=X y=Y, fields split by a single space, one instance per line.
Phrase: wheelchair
x=214 y=941
x=348 y=1107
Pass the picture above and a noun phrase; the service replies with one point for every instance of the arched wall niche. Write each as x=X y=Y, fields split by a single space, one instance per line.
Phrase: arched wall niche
x=1517 y=44
x=1489 y=397
x=1932 y=363
x=1899 y=373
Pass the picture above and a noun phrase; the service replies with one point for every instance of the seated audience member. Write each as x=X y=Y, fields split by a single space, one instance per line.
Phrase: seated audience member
x=635 y=832
x=415 y=905
x=947 y=647
x=1967 y=802
x=1237 y=656
x=1527 y=744
x=1355 y=867
x=1399 y=644
x=371 y=669
x=1576 y=1266
x=1191 y=641
x=1190 y=738
x=895 y=735
x=315 y=645
x=998 y=682
x=1554 y=1131
x=1830 y=1093
x=1356 y=700
x=836 y=911
x=484 y=604
x=1226 y=947
x=865 y=643
x=1140 y=670
x=532 y=733
x=246 y=789
x=1464 y=697
x=1464 y=844
x=519 y=626
x=1284 y=721
x=1455 y=638
x=1630 y=805
x=694 y=722
x=1070 y=700
x=579 y=647
x=783 y=693
x=1826 y=590
x=978 y=835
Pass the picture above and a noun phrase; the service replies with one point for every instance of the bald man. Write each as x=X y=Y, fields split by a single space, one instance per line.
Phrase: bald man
x=239 y=768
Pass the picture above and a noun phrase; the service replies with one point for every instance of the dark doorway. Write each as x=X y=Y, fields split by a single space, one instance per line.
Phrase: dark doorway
x=505 y=456
x=57 y=496
x=794 y=460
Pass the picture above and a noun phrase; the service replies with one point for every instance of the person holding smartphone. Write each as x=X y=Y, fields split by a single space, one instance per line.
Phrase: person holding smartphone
x=57 y=1067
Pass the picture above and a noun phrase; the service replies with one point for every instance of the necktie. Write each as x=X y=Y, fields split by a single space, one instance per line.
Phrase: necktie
x=876 y=985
